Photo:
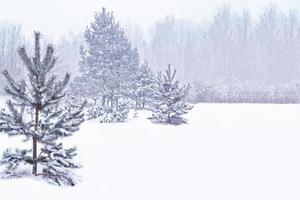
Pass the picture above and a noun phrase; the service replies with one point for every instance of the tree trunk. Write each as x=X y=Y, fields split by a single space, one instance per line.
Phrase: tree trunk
x=34 y=156
x=103 y=100
x=95 y=100
x=107 y=101
x=136 y=103
x=111 y=101
x=143 y=104
x=34 y=143
x=117 y=101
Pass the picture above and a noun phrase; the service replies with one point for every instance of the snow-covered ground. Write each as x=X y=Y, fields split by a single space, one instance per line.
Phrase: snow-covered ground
x=225 y=152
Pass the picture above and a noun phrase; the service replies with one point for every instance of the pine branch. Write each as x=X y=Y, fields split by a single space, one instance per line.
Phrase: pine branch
x=27 y=61
x=17 y=90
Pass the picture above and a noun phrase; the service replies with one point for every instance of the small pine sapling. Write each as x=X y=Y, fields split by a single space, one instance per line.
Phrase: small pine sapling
x=168 y=103
x=34 y=110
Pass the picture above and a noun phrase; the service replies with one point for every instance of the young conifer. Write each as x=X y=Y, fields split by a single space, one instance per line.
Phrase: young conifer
x=34 y=110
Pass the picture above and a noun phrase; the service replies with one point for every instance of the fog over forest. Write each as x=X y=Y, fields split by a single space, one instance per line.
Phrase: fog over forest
x=233 y=50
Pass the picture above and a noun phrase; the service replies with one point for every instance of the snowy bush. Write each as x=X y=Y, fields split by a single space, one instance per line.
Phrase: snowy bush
x=203 y=92
x=236 y=93
x=13 y=158
x=106 y=114
x=58 y=163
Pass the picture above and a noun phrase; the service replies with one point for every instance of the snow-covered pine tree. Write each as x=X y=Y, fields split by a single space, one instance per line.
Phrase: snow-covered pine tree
x=34 y=111
x=88 y=84
x=107 y=61
x=130 y=74
x=168 y=104
x=141 y=89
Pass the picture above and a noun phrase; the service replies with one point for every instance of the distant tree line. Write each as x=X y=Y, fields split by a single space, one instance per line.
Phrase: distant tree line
x=232 y=48
x=233 y=52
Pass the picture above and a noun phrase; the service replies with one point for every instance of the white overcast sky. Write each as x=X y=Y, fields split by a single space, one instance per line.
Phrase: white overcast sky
x=57 y=17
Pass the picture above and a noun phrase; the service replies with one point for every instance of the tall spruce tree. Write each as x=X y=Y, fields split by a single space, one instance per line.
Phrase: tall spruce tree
x=168 y=104
x=34 y=111
x=107 y=61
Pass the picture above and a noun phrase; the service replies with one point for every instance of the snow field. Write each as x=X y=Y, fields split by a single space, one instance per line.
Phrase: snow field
x=227 y=151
